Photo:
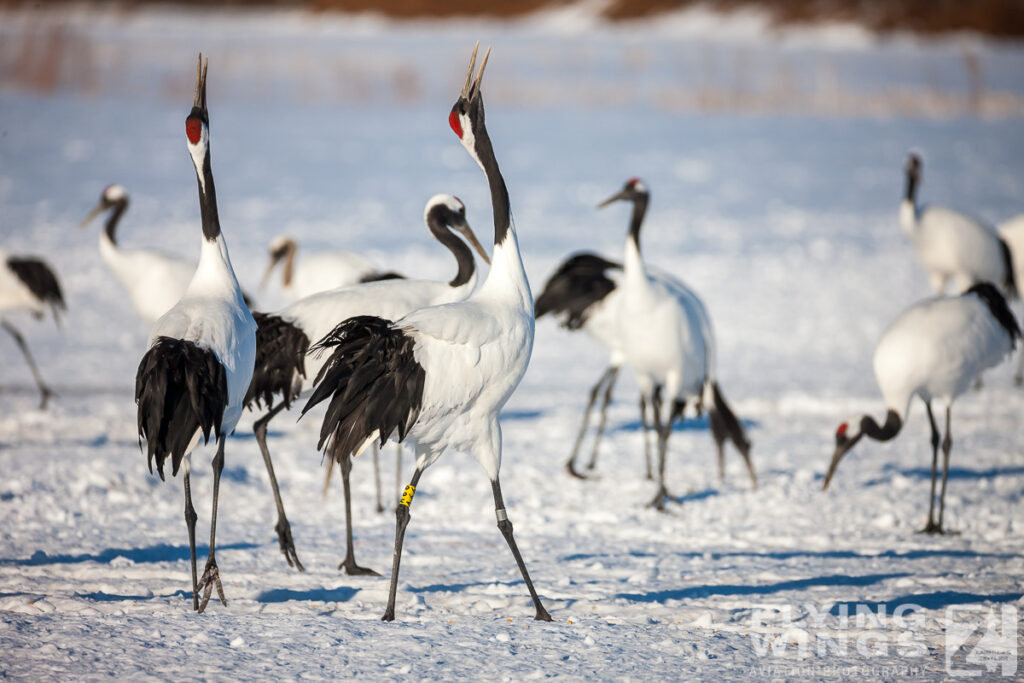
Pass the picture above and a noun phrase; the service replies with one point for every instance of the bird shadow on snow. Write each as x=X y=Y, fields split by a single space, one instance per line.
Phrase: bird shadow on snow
x=764 y=589
x=690 y=424
x=340 y=594
x=914 y=603
x=888 y=470
x=157 y=553
x=819 y=554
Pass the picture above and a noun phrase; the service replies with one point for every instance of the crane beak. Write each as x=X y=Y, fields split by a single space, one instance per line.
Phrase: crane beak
x=472 y=86
x=200 y=96
x=836 y=457
x=274 y=260
x=614 y=198
x=467 y=232
x=92 y=214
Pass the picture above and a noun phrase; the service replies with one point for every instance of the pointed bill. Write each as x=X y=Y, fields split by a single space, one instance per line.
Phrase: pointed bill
x=614 y=198
x=480 y=74
x=467 y=232
x=92 y=214
x=469 y=74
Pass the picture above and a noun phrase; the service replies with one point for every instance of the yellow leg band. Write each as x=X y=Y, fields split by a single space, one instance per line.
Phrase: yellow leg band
x=407 y=495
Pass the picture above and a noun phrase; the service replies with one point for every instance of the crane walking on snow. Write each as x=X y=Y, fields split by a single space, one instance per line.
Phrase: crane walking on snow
x=193 y=379
x=283 y=367
x=934 y=350
x=29 y=284
x=438 y=376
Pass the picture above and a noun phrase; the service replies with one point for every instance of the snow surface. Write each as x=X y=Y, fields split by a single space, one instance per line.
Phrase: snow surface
x=335 y=130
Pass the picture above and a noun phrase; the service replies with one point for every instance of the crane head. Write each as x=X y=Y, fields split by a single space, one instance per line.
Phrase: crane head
x=633 y=190
x=198 y=122
x=844 y=442
x=467 y=116
x=111 y=196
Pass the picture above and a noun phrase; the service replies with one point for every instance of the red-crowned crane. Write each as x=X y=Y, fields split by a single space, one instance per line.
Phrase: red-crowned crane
x=952 y=245
x=29 y=284
x=283 y=367
x=193 y=379
x=319 y=271
x=655 y=324
x=155 y=281
x=935 y=350
x=438 y=376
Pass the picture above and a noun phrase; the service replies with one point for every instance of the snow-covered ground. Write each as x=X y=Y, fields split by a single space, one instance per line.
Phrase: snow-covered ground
x=335 y=130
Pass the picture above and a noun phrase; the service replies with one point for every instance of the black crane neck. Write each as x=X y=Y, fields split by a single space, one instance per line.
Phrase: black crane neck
x=208 y=200
x=500 y=204
x=639 y=210
x=436 y=221
x=892 y=426
x=120 y=206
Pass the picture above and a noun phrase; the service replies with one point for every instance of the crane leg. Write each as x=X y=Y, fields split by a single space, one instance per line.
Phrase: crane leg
x=1018 y=377
x=662 y=431
x=931 y=527
x=45 y=392
x=401 y=522
x=609 y=387
x=283 y=528
x=190 y=522
x=376 y=477
x=398 y=472
x=947 y=446
x=645 y=428
x=570 y=466
x=349 y=563
x=718 y=434
x=211 y=575
x=505 y=526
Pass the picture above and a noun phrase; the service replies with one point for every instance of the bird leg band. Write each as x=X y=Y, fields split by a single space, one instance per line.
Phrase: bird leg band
x=501 y=515
x=407 y=495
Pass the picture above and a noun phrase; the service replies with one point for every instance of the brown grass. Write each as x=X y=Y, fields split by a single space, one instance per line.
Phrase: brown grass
x=1001 y=18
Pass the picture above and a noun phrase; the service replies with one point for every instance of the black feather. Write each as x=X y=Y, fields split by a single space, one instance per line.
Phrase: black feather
x=372 y=380
x=378 y=276
x=577 y=285
x=40 y=280
x=280 y=361
x=1010 y=283
x=988 y=293
x=179 y=388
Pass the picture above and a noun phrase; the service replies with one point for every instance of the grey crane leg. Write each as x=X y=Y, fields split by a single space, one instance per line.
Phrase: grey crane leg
x=349 y=563
x=947 y=446
x=190 y=522
x=505 y=526
x=931 y=527
x=283 y=528
x=645 y=428
x=211 y=575
x=45 y=392
x=609 y=387
x=401 y=522
x=570 y=466
x=376 y=477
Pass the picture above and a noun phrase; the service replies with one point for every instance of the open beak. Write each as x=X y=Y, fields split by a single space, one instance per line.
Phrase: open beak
x=614 y=198
x=472 y=86
x=467 y=232
x=200 y=97
x=92 y=214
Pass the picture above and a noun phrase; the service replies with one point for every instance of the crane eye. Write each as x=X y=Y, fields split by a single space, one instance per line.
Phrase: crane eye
x=193 y=129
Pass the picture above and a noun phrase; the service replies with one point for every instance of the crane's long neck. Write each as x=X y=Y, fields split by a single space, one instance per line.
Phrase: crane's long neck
x=633 y=263
x=507 y=274
x=110 y=230
x=908 y=207
x=214 y=273
x=892 y=426
x=463 y=256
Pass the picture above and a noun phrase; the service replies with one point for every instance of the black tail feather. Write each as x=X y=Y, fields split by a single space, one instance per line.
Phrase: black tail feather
x=1010 y=282
x=180 y=388
x=40 y=280
x=280 y=361
x=577 y=285
x=372 y=380
x=988 y=293
x=732 y=427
